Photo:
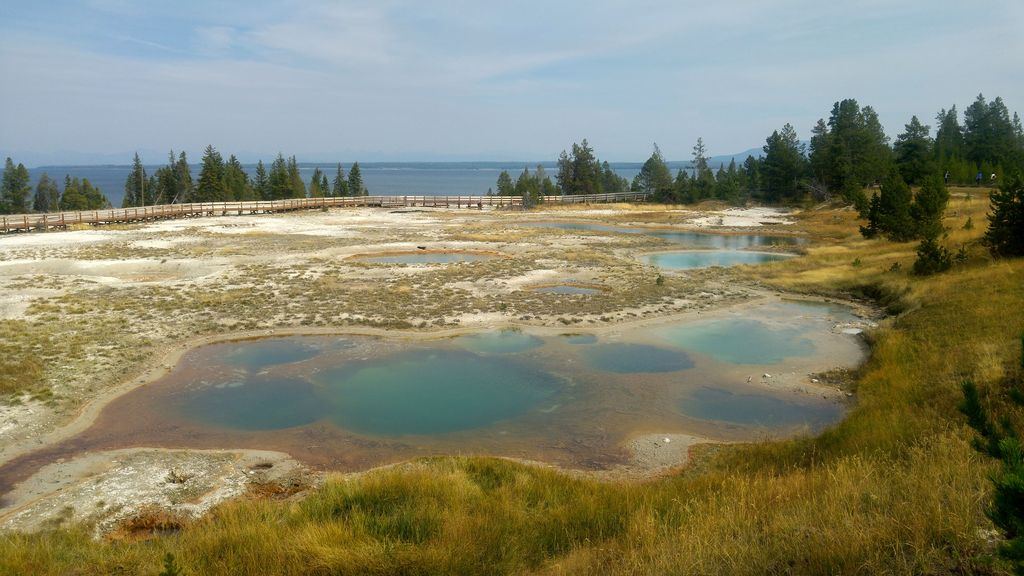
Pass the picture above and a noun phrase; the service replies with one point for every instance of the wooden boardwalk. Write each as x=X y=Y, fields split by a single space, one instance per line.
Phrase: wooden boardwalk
x=30 y=222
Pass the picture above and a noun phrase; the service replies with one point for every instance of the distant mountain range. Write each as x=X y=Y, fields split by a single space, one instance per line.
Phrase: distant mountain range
x=715 y=161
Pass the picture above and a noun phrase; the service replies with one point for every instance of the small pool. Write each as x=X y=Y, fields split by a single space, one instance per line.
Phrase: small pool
x=686 y=238
x=689 y=259
x=770 y=335
x=425 y=258
x=567 y=289
x=756 y=409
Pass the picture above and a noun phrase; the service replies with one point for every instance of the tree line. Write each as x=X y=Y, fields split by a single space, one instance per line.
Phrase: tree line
x=16 y=195
x=579 y=172
x=221 y=181
x=218 y=181
x=848 y=153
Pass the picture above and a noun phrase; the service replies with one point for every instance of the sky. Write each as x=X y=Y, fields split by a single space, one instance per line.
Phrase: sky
x=92 y=81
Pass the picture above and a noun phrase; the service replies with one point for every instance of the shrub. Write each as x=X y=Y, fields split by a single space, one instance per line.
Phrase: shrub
x=932 y=258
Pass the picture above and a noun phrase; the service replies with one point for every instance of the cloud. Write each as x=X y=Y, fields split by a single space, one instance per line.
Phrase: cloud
x=336 y=34
x=213 y=40
x=461 y=78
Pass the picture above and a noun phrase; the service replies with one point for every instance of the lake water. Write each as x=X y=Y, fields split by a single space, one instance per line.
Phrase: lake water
x=685 y=260
x=380 y=178
x=353 y=402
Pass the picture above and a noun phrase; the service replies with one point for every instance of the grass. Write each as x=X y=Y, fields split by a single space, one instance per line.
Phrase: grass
x=895 y=488
x=20 y=366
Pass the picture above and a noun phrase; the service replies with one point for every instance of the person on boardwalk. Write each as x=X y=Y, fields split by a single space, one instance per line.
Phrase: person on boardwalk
x=977 y=178
x=945 y=177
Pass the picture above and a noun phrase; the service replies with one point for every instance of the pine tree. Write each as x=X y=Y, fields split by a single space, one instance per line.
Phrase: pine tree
x=94 y=198
x=702 y=185
x=505 y=186
x=655 y=178
x=47 y=197
x=15 y=189
x=682 y=187
x=894 y=209
x=932 y=258
x=297 y=186
x=528 y=187
x=876 y=159
x=978 y=132
x=261 y=183
x=81 y=195
x=586 y=169
x=279 y=182
x=340 y=185
x=949 y=137
x=928 y=207
x=236 y=181
x=325 y=186
x=873 y=215
x=610 y=182
x=582 y=173
x=1001 y=439
x=819 y=161
x=72 y=198
x=211 y=178
x=751 y=175
x=564 y=176
x=355 y=181
x=183 y=187
x=315 y=191
x=728 y=184
x=850 y=152
x=783 y=165
x=165 y=182
x=914 y=152
x=547 y=187
x=135 y=185
x=1005 y=234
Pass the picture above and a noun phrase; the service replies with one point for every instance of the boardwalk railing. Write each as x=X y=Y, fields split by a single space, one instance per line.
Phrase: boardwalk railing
x=29 y=222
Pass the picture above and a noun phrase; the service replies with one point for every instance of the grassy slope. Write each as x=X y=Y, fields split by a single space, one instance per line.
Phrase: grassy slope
x=895 y=488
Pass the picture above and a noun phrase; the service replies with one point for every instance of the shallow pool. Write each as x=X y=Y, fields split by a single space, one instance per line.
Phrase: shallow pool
x=687 y=238
x=567 y=289
x=688 y=259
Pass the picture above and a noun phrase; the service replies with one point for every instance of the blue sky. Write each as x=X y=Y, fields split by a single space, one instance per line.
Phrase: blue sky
x=393 y=80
